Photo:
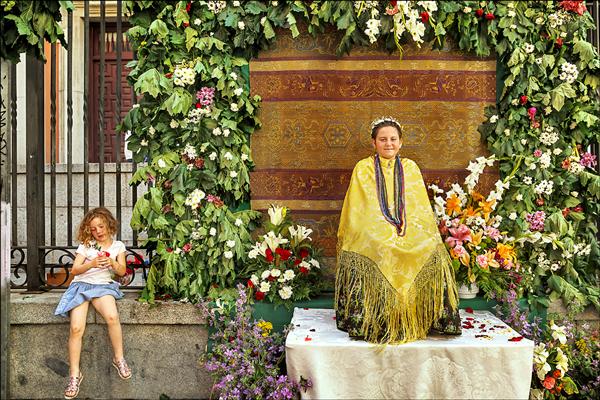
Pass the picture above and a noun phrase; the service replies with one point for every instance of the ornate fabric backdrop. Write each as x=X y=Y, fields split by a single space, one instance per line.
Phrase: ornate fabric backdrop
x=316 y=115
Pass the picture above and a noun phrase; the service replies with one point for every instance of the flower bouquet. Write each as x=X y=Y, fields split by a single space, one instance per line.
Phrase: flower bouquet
x=481 y=254
x=283 y=266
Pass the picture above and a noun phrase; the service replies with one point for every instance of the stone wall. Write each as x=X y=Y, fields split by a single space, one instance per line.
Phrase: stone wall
x=163 y=345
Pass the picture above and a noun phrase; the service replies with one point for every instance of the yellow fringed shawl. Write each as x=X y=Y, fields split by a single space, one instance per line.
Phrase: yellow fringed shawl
x=402 y=279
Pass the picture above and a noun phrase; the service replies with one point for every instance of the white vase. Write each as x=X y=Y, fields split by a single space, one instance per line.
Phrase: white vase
x=468 y=292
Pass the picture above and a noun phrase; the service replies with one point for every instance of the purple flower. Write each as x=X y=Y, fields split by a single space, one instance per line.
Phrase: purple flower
x=536 y=220
x=588 y=160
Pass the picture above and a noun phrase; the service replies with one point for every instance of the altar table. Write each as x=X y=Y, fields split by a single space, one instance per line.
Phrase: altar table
x=482 y=363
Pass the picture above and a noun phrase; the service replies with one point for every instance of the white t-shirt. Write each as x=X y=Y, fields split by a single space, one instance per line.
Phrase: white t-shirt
x=98 y=275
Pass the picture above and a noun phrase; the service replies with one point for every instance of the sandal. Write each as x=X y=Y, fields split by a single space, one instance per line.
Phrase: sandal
x=122 y=368
x=72 y=389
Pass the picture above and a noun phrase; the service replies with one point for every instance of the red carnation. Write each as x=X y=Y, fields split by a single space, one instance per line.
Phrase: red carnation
x=198 y=105
x=559 y=43
x=250 y=283
x=523 y=100
x=269 y=255
x=425 y=16
x=188 y=7
x=489 y=16
x=297 y=261
x=304 y=270
x=169 y=74
x=577 y=6
x=303 y=253
x=549 y=382
x=259 y=295
x=479 y=12
x=271 y=278
x=187 y=247
x=283 y=253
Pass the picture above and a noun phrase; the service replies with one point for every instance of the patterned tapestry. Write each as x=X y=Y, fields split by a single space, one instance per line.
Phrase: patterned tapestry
x=316 y=113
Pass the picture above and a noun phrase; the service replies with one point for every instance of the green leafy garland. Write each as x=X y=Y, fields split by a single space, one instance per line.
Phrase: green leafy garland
x=545 y=118
x=26 y=25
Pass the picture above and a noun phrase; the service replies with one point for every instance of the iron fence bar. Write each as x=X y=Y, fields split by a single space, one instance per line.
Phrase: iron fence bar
x=70 y=130
x=86 y=92
x=35 y=169
x=101 y=103
x=52 y=144
x=118 y=115
x=13 y=151
x=134 y=188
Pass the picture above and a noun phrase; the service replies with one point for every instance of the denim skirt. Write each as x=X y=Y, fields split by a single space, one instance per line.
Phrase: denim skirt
x=80 y=292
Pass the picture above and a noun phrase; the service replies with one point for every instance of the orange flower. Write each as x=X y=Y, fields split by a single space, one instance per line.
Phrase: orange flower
x=486 y=207
x=507 y=252
x=453 y=204
x=476 y=238
x=470 y=212
x=491 y=256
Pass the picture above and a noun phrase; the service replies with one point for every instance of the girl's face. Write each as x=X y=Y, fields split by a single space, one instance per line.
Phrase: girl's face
x=387 y=143
x=99 y=229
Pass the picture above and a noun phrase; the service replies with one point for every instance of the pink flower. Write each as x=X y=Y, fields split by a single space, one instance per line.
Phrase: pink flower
x=187 y=247
x=532 y=111
x=492 y=233
x=588 y=160
x=459 y=235
x=482 y=260
x=459 y=251
x=537 y=153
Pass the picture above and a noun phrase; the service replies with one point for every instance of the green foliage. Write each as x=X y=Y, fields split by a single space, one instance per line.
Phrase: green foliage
x=26 y=25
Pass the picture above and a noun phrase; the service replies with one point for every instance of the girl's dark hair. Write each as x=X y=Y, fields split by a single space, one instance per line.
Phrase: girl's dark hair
x=381 y=123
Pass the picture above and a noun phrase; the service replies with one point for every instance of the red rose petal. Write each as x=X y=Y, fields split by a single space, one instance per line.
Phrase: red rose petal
x=469 y=310
x=307 y=339
x=515 y=339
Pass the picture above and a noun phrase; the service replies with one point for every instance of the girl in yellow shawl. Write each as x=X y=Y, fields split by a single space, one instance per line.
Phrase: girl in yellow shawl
x=394 y=278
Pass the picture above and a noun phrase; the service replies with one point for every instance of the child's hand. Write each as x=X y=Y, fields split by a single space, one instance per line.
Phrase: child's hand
x=103 y=260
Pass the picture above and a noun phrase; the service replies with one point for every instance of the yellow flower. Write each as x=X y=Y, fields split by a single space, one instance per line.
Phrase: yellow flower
x=486 y=207
x=476 y=238
x=492 y=263
x=266 y=327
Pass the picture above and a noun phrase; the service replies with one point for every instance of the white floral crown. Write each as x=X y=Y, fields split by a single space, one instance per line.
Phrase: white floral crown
x=385 y=119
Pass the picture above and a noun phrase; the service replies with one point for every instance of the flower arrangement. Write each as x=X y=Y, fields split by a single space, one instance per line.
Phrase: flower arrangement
x=480 y=252
x=284 y=264
x=246 y=357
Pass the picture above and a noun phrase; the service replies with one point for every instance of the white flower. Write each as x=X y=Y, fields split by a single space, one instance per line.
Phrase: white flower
x=230 y=243
x=144 y=142
x=152 y=131
x=275 y=3
x=493 y=119
x=197 y=21
x=174 y=124
x=527 y=180
x=300 y=233
x=511 y=13
x=233 y=174
x=258 y=248
x=539 y=60
x=226 y=132
x=289 y=275
x=244 y=156
x=236 y=3
x=273 y=241
x=513 y=26
x=177 y=251
x=529 y=48
x=275 y=272
x=254 y=279
x=135 y=105
x=241 y=25
x=161 y=163
x=519 y=197
x=512 y=216
x=233 y=76
x=315 y=263
x=228 y=156
x=228 y=254
x=196 y=235
x=545 y=160
x=276 y=214
x=238 y=222
x=507 y=132
x=540 y=355
x=539 y=20
x=212 y=156
x=562 y=362
x=238 y=91
x=263 y=20
x=467 y=10
x=556 y=151
x=574 y=194
x=216 y=131
x=265 y=287
x=190 y=151
x=212 y=232
x=234 y=107
x=266 y=274
x=523 y=141
x=285 y=292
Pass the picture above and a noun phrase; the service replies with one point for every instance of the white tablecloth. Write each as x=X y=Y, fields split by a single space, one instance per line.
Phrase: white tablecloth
x=480 y=364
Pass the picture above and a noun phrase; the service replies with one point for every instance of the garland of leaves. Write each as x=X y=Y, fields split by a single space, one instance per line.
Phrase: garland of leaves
x=26 y=25
x=546 y=117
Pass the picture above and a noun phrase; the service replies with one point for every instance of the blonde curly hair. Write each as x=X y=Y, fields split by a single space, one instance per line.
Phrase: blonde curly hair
x=84 y=233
